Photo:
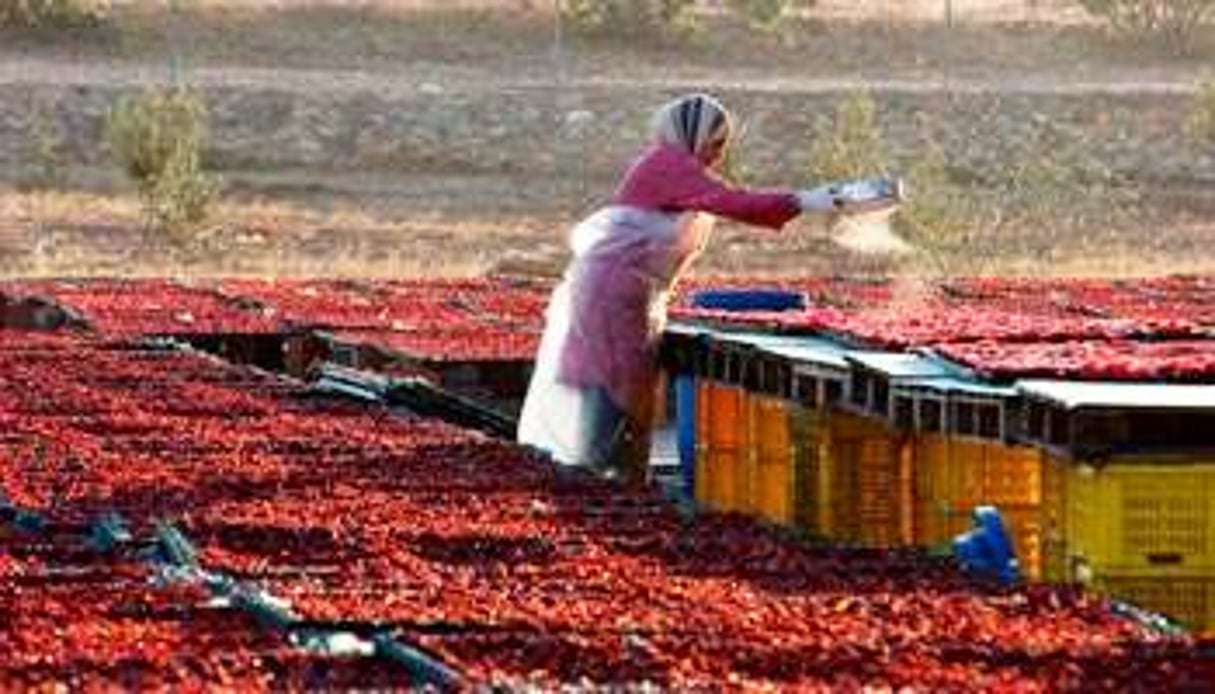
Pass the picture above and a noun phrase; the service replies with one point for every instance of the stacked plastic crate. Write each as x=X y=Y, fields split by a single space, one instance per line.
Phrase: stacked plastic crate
x=895 y=437
x=1139 y=489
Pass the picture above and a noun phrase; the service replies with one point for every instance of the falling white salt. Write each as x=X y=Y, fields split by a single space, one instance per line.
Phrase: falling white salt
x=910 y=294
x=913 y=279
x=870 y=234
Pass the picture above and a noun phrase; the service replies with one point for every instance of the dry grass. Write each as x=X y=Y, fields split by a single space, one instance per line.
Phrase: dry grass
x=56 y=234
x=516 y=38
x=73 y=234
x=805 y=249
x=903 y=10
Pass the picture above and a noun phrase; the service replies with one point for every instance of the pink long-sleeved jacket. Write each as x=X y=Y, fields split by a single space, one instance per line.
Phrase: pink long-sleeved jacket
x=669 y=179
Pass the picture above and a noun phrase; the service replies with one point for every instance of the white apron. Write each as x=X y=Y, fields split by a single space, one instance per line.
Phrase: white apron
x=597 y=364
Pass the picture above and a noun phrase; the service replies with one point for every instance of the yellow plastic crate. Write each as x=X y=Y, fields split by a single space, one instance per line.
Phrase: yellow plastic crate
x=1142 y=514
x=788 y=443
x=1016 y=475
x=770 y=463
x=1188 y=599
x=953 y=475
x=867 y=480
x=721 y=446
x=811 y=433
x=957 y=468
x=718 y=477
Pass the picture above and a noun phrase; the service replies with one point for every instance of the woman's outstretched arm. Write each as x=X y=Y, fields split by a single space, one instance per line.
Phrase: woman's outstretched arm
x=668 y=178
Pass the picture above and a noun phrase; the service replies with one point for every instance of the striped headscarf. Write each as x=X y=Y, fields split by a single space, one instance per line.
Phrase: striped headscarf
x=691 y=122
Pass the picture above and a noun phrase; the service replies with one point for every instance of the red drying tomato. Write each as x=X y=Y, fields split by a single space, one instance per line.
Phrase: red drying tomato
x=506 y=567
x=407 y=306
x=1000 y=310
x=154 y=307
x=1121 y=360
x=467 y=344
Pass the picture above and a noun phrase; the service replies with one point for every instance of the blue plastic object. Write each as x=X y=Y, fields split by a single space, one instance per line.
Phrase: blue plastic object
x=985 y=550
x=685 y=431
x=740 y=300
x=109 y=532
x=29 y=521
x=264 y=607
x=174 y=547
x=421 y=666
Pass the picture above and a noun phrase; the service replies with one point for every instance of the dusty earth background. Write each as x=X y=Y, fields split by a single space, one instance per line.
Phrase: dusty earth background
x=386 y=138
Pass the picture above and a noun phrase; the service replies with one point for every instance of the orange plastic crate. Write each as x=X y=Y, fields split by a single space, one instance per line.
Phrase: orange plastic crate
x=867 y=482
x=721 y=446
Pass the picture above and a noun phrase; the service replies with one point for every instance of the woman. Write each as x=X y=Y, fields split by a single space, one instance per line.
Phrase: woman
x=591 y=397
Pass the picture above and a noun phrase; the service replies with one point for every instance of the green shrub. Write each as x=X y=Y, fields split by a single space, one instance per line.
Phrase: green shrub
x=1201 y=124
x=651 y=18
x=766 y=14
x=1175 y=22
x=853 y=145
x=52 y=14
x=158 y=139
x=942 y=217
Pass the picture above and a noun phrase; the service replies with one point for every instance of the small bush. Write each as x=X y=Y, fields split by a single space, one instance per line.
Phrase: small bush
x=1174 y=22
x=943 y=218
x=158 y=139
x=854 y=145
x=1201 y=124
x=767 y=14
x=650 y=18
x=53 y=14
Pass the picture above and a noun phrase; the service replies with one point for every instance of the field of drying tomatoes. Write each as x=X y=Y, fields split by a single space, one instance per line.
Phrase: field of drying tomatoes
x=475 y=319
x=1144 y=329
x=477 y=554
x=1004 y=329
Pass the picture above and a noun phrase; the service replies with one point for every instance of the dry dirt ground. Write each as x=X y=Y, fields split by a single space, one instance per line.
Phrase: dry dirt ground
x=411 y=222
